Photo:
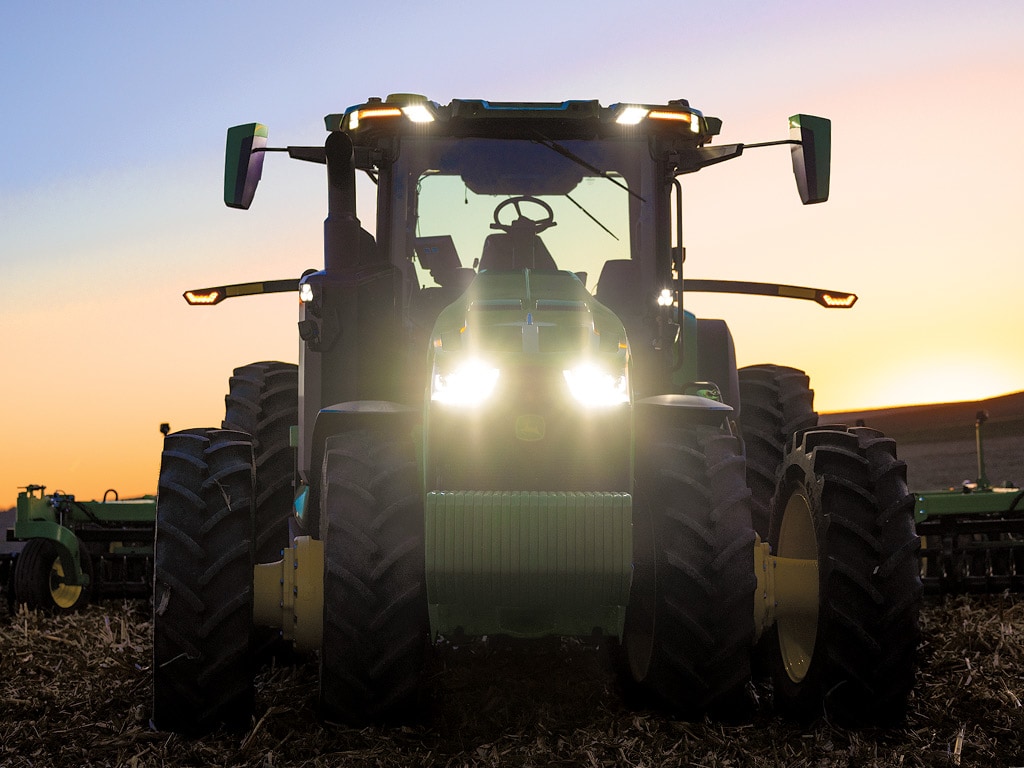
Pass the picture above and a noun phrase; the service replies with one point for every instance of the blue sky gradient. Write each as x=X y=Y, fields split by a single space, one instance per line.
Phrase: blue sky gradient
x=113 y=128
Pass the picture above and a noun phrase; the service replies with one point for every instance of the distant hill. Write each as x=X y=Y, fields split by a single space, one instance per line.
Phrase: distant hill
x=938 y=441
x=941 y=421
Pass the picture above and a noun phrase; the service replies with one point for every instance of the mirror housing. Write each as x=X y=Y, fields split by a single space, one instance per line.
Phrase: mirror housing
x=812 y=156
x=243 y=163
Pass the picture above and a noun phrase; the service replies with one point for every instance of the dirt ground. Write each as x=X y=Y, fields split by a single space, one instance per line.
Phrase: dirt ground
x=75 y=691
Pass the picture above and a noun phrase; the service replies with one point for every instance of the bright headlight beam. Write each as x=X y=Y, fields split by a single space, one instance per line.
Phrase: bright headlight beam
x=467 y=385
x=596 y=388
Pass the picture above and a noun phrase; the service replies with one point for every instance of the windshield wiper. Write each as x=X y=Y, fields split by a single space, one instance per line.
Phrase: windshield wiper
x=589 y=215
x=554 y=146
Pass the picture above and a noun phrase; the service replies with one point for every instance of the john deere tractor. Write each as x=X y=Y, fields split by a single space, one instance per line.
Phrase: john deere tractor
x=504 y=422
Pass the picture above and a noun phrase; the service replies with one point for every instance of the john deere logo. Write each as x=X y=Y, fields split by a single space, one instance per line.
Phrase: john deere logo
x=530 y=427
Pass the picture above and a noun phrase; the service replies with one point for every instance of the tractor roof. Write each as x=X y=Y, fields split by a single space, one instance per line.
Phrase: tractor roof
x=411 y=114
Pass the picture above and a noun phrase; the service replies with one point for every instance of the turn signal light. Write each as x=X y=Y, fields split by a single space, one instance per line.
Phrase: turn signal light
x=203 y=297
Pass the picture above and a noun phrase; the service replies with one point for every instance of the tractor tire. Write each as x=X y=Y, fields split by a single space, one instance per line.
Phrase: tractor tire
x=776 y=403
x=263 y=401
x=203 y=591
x=375 y=630
x=689 y=625
x=38 y=579
x=843 y=500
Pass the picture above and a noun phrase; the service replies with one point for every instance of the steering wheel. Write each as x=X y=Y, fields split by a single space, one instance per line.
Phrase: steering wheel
x=538 y=226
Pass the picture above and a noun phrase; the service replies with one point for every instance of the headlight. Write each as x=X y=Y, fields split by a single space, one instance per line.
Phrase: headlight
x=595 y=387
x=467 y=384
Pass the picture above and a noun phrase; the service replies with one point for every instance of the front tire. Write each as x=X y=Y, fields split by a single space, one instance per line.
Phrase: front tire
x=375 y=600
x=843 y=500
x=689 y=624
x=203 y=592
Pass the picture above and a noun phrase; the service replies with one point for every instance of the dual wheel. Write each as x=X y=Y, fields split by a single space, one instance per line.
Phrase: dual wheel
x=842 y=502
x=375 y=621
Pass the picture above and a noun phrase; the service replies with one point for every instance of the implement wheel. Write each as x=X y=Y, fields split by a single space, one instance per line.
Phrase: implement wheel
x=376 y=629
x=203 y=593
x=689 y=627
x=38 y=579
x=263 y=401
x=843 y=501
x=775 y=403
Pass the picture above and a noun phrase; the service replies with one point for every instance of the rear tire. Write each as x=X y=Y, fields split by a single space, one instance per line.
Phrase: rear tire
x=375 y=600
x=203 y=592
x=689 y=623
x=776 y=403
x=843 y=499
x=263 y=401
x=38 y=579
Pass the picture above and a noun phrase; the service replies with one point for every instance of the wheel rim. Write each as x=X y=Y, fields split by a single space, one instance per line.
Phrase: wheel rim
x=797 y=634
x=64 y=595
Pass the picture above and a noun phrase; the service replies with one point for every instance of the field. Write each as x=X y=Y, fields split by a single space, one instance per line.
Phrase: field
x=75 y=690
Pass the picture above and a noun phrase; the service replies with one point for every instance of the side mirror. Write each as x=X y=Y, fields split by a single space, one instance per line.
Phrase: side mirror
x=243 y=163
x=812 y=156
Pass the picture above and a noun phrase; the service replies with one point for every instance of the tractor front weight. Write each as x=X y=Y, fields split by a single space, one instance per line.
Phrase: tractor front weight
x=289 y=593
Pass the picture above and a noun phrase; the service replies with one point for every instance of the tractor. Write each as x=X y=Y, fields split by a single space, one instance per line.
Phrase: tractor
x=504 y=422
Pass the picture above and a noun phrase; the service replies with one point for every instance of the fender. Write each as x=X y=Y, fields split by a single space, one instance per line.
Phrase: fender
x=681 y=410
x=346 y=417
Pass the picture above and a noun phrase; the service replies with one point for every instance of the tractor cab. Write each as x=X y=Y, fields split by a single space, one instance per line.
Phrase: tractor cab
x=476 y=187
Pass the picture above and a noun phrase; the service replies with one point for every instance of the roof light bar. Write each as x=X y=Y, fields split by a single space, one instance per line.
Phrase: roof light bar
x=661 y=114
x=631 y=115
x=357 y=116
x=418 y=113
x=634 y=114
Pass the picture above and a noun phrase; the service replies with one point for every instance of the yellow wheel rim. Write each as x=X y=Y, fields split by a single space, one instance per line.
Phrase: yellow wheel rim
x=64 y=595
x=798 y=633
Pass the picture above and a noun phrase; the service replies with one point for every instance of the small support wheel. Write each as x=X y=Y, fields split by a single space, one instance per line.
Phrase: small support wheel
x=39 y=580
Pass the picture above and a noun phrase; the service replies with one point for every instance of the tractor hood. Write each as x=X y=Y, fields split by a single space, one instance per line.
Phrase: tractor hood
x=530 y=313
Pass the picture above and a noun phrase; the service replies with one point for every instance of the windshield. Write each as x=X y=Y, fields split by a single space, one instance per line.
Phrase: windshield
x=572 y=205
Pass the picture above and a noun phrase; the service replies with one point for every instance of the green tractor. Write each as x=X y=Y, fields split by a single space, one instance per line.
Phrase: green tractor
x=506 y=423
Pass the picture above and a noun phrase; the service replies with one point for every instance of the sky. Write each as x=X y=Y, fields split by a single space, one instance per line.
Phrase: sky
x=112 y=136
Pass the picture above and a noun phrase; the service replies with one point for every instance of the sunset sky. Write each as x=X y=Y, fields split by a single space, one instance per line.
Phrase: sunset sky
x=112 y=133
